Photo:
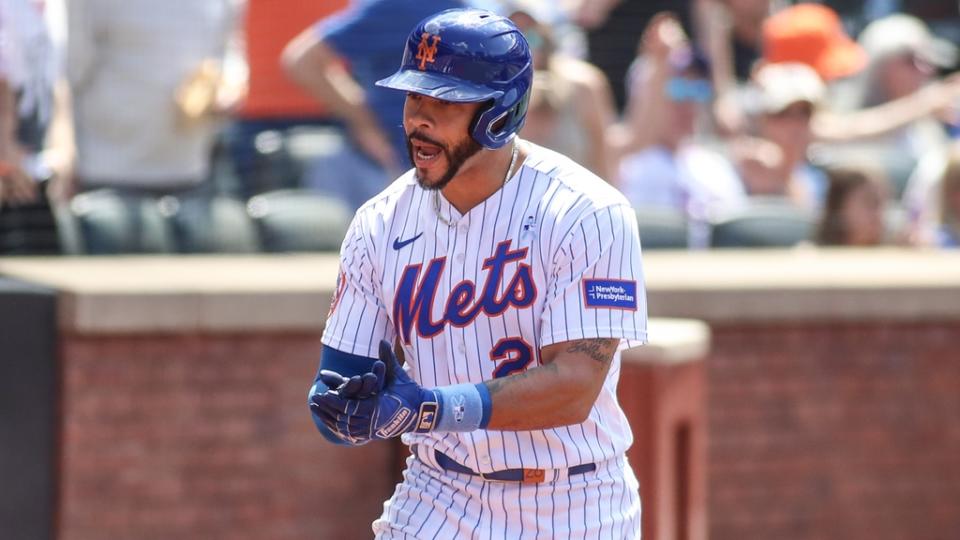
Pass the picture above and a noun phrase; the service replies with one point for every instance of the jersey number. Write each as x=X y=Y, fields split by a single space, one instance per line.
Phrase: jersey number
x=513 y=356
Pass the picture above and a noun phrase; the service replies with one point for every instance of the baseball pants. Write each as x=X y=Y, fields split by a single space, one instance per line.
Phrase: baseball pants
x=432 y=503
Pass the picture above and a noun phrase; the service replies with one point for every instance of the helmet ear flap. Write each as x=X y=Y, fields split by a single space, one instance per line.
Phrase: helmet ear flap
x=478 y=117
x=492 y=127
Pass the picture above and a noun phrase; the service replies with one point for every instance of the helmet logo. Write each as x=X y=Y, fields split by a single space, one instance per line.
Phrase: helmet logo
x=427 y=49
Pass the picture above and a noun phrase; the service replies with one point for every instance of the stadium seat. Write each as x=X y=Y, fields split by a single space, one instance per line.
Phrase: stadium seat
x=767 y=222
x=113 y=224
x=299 y=220
x=29 y=229
x=220 y=225
x=68 y=229
x=662 y=228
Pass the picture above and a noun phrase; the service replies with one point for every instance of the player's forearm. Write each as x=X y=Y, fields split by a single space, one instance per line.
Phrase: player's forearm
x=541 y=398
x=561 y=392
x=386 y=402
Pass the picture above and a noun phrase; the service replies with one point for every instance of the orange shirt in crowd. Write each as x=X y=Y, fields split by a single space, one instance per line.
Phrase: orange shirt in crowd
x=269 y=25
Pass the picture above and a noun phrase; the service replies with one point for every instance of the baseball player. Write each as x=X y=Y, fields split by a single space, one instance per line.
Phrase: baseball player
x=507 y=278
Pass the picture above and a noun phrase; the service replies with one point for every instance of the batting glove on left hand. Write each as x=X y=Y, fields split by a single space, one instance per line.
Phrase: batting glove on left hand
x=380 y=405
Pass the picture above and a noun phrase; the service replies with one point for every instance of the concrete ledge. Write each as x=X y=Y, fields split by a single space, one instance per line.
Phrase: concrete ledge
x=805 y=284
x=292 y=292
x=672 y=341
x=183 y=294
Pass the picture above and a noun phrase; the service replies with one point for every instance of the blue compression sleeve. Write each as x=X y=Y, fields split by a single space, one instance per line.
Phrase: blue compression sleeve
x=345 y=364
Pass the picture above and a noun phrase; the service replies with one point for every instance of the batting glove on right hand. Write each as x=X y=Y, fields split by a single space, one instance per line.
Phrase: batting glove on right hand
x=379 y=407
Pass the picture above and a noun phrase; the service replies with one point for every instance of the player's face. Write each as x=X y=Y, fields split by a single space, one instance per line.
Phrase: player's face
x=438 y=138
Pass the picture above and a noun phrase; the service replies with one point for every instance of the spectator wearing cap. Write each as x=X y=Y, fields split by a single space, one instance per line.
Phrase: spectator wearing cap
x=785 y=99
x=813 y=34
x=899 y=92
x=664 y=166
x=903 y=57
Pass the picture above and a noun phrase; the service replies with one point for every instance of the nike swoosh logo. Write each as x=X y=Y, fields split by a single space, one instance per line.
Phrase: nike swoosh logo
x=398 y=245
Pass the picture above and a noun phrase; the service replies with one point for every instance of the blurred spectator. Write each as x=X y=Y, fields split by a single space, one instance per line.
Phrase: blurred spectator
x=145 y=81
x=611 y=27
x=571 y=106
x=948 y=233
x=891 y=92
x=854 y=210
x=732 y=32
x=931 y=198
x=364 y=37
x=663 y=166
x=569 y=38
x=904 y=58
x=272 y=101
x=898 y=100
x=27 y=79
x=787 y=96
x=812 y=34
x=881 y=92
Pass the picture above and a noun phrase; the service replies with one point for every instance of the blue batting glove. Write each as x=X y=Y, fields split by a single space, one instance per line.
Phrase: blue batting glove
x=401 y=406
x=358 y=386
x=362 y=386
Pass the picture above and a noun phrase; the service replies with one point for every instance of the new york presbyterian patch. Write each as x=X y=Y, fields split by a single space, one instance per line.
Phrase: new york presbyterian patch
x=610 y=293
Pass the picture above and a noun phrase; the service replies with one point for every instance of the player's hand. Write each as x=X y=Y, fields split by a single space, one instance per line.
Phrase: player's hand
x=395 y=403
x=358 y=386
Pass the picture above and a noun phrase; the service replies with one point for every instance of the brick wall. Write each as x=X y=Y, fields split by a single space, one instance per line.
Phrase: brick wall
x=206 y=437
x=816 y=431
x=835 y=431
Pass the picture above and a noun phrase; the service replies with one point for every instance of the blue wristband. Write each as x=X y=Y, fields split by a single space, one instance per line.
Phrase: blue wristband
x=464 y=407
x=487 y=404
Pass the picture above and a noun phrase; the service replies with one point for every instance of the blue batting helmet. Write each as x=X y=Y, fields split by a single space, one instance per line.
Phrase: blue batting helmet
x=469 y=56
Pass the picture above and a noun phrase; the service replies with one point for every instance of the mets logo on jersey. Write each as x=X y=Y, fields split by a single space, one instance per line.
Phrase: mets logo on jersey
x=337 y=292
x=417 y=291
x=427 y=49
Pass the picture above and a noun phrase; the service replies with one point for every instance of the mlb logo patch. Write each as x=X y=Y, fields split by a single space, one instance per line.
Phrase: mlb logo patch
x=427 y=416
x=610 y=293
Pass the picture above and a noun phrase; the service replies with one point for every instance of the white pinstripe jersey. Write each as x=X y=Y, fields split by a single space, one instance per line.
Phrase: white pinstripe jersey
x=552 y=256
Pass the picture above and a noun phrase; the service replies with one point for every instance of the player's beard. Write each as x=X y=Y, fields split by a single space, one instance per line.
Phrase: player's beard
x=455 y=158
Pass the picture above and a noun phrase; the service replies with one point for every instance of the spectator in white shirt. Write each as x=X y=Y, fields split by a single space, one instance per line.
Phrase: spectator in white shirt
x=663 y=166
x=143 y=77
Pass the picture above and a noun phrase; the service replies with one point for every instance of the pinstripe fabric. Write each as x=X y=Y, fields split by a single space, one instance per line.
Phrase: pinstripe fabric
x=475 y=300
x=435 y=504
